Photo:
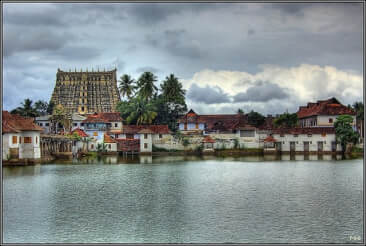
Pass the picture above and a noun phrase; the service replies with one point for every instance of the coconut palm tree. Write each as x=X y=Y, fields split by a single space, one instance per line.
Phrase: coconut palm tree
x=146 y=86
x=26 y=109
x=126 y=86
x=140 y=112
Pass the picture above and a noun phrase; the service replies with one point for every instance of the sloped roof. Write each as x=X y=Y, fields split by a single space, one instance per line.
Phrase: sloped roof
x=148 y=131
x=103 y=117
x=221 y=122
x=208 y=139
x=269 y=138
x=157 y=129
x=76 y=116
x=109 y=139
x=330 y=106
x=305 y=130
x=17 y=123
x=80 y=132
x=43 y=118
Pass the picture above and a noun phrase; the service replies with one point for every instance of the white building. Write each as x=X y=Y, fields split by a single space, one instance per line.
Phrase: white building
x=20 y=138
x=324 y=113
x=307 y=140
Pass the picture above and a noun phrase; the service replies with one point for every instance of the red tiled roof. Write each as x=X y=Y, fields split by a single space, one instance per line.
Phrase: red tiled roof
x=208 y=139
x=80 y=132
x=109 y=139
x=17 y=123
x=157 y=129
x=305 y=130
x=324 y=107
x=223 y=122
x=128 y=145
x=103 y=117
x=269 y=138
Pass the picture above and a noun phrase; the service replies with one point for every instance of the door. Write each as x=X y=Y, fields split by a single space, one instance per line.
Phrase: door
x=278 y=146
x=306 y=146
x=334 y=146
x=292 y=147
x=320 y=146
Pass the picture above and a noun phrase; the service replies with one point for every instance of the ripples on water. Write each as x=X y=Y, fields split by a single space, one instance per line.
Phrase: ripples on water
x=185 y=200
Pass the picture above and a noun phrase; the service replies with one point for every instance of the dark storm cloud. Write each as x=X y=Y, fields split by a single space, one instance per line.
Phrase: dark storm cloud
x=208 y=95
x=16 y=40
x=151 y=13
x=76 y=53
x=177 y=43
x=251 y=31
x=262 y=92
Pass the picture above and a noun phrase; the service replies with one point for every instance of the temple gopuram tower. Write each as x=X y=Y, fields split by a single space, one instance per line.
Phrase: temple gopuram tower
x=86 y=92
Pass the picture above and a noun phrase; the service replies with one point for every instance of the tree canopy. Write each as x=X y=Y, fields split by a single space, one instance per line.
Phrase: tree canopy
x=255 y=118
x=344 y=131
x=286 y=120
x=126 y=86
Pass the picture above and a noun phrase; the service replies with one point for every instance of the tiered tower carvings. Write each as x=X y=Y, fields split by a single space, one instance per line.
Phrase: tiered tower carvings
x=86 y=92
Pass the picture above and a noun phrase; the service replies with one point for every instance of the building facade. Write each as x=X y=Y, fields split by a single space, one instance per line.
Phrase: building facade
x=323 y=113
x=20 y=138
x=86 y=92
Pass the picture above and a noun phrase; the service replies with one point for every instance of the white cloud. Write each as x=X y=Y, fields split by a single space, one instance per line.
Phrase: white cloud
x=305 y=82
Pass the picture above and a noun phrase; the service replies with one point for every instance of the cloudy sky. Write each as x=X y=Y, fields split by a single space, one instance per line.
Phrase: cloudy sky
x=255 y=56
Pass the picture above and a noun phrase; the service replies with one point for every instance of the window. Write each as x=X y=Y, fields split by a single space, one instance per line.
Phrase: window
x=92 y=146
x=109 y=146
x=36 y=140
x=75 y=124
x=309 y=135
x=115 y=135
x=47 y=124
x=15 y=140
x=82 y=108
x=282 y=135
x=145 y=145
x=115 y=124
x=160 y=136
x=296 y=135
x=82 y=124
x=129 y=136
x=145 y=136
x=330 y=120
x=41 y=124
x=27 y=139
x=196 y=125
x=246 y=133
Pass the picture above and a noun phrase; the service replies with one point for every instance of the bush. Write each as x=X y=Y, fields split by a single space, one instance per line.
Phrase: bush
x=185 y=142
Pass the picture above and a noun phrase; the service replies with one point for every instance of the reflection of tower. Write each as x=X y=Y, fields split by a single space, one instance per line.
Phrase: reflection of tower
x=86 y=92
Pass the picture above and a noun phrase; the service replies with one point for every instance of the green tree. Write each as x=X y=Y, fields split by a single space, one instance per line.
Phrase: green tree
x=146 y=86
x=359 y=108
x=255 y=118
x=50 y=107
x=286 y=120
x=126 y=86
x=26 y=109
x=171 y=102
x=137 y=111
x=41 y=107
x=240 y=111
x=344 y=132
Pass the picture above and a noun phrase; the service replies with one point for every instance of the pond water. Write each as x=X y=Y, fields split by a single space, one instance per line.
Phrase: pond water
x=185 y=200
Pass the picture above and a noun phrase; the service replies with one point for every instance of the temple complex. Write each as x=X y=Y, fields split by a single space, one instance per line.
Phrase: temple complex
x=86 y=92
